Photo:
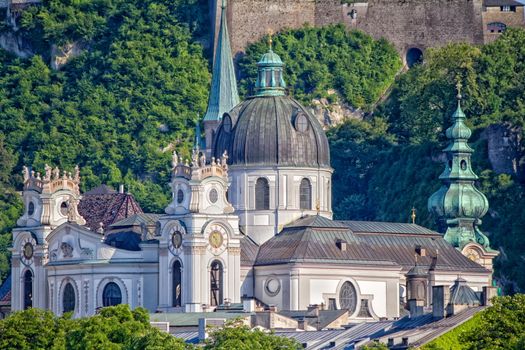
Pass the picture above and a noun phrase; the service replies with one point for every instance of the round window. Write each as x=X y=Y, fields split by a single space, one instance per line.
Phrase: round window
x=30 y=208
x=214 y=196
x=272 y=286
x=63 y=208
x=180 y=196
x=301 y=123
x=28 y=251
x=227 y=123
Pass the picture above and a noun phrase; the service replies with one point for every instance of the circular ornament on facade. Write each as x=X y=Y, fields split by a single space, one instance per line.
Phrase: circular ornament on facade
x=213 y=196
x=227 y=123
x=31 y=208
x=176 y=239
x=272 y=286
x=217 y=239
x=180 y=196
x=473 y=255
x=301 y=122
x=348 y=297
x=27 y=250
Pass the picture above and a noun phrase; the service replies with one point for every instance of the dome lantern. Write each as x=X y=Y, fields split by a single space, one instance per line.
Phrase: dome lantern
x=270 y=81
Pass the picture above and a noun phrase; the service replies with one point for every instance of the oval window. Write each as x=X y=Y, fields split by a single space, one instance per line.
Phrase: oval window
x=348 y=297
x=273 y=286
x=301 y=123
x=30 y=208
x=214 y=196
x=463 y=165
x=227 y=123
x=63 y=208
x=180 y=196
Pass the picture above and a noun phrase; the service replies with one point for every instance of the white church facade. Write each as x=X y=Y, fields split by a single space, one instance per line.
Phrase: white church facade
x=250 y=217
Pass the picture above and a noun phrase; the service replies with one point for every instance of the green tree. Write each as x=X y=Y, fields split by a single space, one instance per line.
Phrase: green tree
x=502 y=326
x=236 y=336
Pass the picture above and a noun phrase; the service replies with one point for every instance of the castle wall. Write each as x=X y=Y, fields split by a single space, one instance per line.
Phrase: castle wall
x=405 y=23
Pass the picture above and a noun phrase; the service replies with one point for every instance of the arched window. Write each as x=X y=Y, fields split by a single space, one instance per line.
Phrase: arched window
x=111 y=295
x=28 y=289
x=68 y=299
x=216 y=283
x=348 y=297
x=177 y=284
x=496 y=27
x=305 y=194
x=262 y=194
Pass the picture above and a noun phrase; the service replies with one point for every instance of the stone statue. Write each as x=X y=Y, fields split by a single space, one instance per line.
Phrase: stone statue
x=174 y=160
x=47 y=176
x=25 y=171
x=203 y=159
x=224 y=160
x=70 y=210
x=195 y=158
x=77 y=174
x=56 y=173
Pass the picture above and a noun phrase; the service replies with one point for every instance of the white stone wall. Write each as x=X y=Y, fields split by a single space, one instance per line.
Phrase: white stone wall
x=284 y=183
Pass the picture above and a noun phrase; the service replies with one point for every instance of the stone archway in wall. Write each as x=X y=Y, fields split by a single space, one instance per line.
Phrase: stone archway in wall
x=414 y=55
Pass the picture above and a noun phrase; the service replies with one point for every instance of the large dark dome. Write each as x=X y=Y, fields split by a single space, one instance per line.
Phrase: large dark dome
x=272 y=130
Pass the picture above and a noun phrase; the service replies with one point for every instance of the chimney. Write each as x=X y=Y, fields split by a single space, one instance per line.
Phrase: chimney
x=302 y=324
x=487 y=295
x=121 y=188
x=248 y=305
x=440 y=297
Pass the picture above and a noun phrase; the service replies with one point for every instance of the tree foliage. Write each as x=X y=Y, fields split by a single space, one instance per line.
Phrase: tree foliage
x=115 y=327
x=236 y=336
x=319 y=59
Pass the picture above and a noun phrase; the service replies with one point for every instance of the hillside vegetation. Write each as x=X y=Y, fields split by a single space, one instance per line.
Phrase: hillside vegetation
x=117 y=110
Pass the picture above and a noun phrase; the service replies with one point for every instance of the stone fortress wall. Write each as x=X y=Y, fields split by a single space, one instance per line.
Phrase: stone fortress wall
x=406 y=23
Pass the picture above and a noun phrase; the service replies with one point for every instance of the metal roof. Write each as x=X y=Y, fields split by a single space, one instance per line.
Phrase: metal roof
x=249 y=250
x=263 y=134
x=497 y=3
x=387 y=227
x=137 y=220
x=223 y=92
x=186 y=319
x=320 y=240
x=462 y=294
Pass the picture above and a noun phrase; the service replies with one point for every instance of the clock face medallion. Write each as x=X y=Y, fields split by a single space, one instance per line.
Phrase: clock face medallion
x=27 y=250
x=176 y=239
x=216 y=239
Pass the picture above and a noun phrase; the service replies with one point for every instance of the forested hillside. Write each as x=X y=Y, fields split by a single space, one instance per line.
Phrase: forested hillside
x=117 y=110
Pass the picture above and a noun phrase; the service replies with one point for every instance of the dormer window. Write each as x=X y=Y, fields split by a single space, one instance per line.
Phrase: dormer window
x=342 y=245
x=507 y=8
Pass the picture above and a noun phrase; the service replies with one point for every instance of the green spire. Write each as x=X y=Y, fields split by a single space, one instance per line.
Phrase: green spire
x=198 y=141
x=458 y=205
x=223 y=94
x=270 y=80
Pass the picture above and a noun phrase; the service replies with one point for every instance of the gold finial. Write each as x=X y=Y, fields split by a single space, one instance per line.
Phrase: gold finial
x=318 y=206
x=270 y=39
x=458 y=88
x=413 y=215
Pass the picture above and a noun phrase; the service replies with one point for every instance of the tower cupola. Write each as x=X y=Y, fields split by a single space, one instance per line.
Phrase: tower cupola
x=270 y=81
x=458 y=205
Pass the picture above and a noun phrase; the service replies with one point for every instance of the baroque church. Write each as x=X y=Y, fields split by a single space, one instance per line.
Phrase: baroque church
x=250 y=218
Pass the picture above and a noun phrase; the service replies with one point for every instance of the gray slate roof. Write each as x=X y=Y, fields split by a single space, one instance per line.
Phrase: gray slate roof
x=263 y=134
x=497 y=3
x=315 y=239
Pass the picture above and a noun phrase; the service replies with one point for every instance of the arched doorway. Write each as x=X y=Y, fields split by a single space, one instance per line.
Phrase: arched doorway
x=216 y=283
x=177 y=284
x=414 y=56
x=28 y=289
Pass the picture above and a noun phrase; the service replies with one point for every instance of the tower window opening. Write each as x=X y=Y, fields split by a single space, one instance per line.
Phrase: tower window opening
x=262 y=194
x=177 y=284
x=28 y=289
x=305 y=194
x=216 y=283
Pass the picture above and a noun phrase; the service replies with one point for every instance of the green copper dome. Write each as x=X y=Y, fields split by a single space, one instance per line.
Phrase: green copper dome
x=458 y=205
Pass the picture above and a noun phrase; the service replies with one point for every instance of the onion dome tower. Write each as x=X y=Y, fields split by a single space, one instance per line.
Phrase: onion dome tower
x=278 y=156
x=458 y=205
x=223 y=93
